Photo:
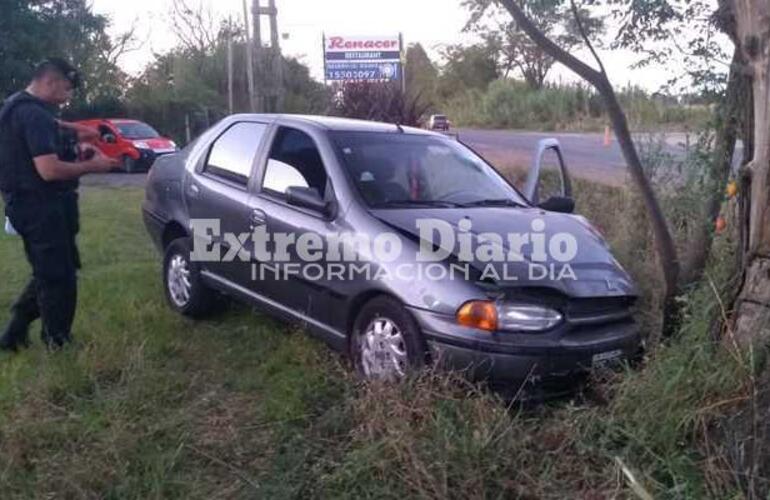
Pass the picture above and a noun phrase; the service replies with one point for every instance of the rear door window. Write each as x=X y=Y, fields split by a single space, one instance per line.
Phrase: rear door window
x=294 y=161
x=232 y=155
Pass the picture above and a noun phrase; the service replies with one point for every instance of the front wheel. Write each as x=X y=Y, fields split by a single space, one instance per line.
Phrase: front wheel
x=129 y=164
x=185 y=291
x=386 y=342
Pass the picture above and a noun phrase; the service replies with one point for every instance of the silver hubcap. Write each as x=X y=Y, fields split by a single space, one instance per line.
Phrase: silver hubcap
x=383 y=350
x=179 y=281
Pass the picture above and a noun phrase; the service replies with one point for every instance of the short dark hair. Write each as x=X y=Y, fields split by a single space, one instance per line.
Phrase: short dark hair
x=60 y=67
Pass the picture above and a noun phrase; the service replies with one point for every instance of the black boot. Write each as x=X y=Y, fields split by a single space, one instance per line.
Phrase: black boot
x=55 y=342
x=16 y=335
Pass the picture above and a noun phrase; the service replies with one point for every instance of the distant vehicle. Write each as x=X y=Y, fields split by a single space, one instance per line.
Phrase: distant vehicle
x=438 y=122
x=134 y=143
x=291 y=175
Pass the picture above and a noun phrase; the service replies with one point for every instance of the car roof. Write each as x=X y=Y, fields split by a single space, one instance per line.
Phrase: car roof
x=334 y=123
x=110 y=120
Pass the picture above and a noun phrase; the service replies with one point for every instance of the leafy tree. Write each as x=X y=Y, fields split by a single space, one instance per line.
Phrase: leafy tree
x=384 y=102
x=513 y=49
x=303 y=94
x=470 y=67
x=188 y=86
x=32 y=31
x=421 y=73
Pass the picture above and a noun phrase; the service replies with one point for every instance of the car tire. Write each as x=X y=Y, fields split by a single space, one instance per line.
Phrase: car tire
x=129 y=164
x=184 y=289
x=386 y=342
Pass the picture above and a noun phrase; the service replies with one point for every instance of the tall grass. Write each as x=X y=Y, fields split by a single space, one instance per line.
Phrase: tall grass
x=152 y=405
x=513 y=104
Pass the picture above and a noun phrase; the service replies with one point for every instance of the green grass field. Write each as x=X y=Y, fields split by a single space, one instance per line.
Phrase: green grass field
x=151 y=405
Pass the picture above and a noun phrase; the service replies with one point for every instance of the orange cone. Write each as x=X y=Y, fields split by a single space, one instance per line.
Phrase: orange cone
x=607 y=137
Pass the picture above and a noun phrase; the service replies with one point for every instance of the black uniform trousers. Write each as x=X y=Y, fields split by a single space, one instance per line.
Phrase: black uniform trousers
x=48 y=222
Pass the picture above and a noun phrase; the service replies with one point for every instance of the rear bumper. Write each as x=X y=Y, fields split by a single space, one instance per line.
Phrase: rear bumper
x=494 y=357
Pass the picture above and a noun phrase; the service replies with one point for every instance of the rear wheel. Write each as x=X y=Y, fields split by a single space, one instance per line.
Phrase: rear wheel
x=185 y=291
x=386 y=342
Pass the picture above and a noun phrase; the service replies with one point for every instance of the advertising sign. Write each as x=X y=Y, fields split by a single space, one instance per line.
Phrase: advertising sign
x=362 y=58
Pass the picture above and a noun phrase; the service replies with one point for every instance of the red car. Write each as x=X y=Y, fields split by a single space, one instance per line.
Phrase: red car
x=135 y=143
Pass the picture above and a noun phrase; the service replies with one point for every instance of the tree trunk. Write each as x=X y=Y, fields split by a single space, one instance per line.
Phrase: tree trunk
x=728 y=118
x=752 y=314
x=664 y=243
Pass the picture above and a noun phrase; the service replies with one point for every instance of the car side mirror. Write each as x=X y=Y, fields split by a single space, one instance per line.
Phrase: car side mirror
x=560 y=204
x=307 y=197
x=109 y=139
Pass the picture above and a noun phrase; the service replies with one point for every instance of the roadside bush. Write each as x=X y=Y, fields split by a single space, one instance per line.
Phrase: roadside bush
x=513 y=104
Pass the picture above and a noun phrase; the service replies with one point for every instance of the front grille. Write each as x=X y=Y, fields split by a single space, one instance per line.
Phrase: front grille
x=598 y=310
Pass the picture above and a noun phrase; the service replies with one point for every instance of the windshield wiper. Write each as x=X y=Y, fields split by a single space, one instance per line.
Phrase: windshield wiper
x=505 y=202
x=419 y=203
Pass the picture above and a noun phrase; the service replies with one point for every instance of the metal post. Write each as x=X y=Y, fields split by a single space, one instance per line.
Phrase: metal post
x=256 y=16
x=230 y=72
x=277 y=59
x=323 y=51
x=249 y=58
x=402 y=62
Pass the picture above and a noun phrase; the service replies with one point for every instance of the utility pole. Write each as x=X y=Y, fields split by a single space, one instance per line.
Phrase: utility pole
x=277 y=59
x=230 y=70
x=256 y=19
x=402 y=62
x=249 y=58
x=269 y=61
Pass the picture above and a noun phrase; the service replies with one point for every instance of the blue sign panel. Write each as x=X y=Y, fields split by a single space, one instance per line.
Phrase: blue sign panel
x=360 y=71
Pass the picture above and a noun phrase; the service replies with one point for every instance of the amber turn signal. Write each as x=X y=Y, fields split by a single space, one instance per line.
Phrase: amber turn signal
x=480 y=314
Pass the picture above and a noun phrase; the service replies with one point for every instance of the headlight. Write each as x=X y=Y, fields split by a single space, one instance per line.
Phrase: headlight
x=173 y=144
x=492 y=316
x=527 y=318
x=141 y=145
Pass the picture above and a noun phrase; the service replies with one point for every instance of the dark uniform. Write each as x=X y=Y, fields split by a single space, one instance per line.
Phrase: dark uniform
x=45 y=214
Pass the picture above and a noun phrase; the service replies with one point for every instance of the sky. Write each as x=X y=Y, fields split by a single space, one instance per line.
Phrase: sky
x=433 y=23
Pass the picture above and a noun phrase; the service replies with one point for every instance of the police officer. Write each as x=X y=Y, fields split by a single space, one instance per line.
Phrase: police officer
x=38 y=181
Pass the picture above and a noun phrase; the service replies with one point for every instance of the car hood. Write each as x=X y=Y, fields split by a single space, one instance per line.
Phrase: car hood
x=156 y=143
x=594 y=270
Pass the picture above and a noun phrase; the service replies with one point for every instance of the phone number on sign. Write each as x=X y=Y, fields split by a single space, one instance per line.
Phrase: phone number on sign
x=363 y=74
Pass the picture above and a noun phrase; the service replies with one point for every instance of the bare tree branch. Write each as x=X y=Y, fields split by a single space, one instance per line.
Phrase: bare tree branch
x=585 y=38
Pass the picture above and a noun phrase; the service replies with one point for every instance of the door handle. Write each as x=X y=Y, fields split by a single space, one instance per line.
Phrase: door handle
x=193 y=190
x=257 y=218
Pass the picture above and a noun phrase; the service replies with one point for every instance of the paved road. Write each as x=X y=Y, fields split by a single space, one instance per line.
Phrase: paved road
x=585 y=154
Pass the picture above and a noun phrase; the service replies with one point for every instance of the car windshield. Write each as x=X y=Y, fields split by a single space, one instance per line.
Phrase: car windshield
x=394 y=170
x=136 y=130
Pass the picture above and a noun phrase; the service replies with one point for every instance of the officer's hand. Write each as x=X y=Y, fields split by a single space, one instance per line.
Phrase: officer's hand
x=99 y=161
x=87 y=133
